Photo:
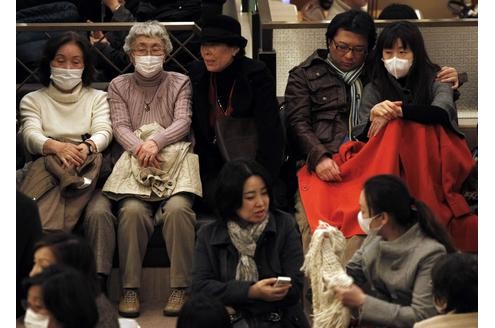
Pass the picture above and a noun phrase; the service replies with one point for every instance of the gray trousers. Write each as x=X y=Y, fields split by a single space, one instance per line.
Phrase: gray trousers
x=134 y=224
x=351 y=246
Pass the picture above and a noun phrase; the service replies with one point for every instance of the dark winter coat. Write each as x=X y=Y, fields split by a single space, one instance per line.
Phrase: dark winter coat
x=278 y=253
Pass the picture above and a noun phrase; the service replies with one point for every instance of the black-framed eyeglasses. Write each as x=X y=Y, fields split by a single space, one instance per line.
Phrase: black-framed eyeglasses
x=343 y=49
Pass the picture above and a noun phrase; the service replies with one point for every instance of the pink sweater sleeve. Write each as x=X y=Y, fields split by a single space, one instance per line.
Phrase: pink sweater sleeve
x=120 y=115
x=179 y=107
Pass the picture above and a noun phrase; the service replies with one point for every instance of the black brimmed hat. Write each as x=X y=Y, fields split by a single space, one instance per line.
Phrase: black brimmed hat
x=223 y=29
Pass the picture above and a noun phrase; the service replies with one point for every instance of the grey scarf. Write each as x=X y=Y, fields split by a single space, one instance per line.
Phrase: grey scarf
x=244 y=241
x=351 y=78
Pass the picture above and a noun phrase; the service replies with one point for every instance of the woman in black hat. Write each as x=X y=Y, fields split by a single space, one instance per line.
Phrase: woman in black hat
x=228 y=84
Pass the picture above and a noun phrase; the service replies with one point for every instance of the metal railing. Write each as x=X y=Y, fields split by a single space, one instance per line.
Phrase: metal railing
x=180 y=46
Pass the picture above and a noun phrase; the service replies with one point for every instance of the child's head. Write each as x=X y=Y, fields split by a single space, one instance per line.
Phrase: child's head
x=455 y=283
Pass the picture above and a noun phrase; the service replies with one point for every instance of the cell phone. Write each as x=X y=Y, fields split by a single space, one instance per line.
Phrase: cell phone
x=282 y=281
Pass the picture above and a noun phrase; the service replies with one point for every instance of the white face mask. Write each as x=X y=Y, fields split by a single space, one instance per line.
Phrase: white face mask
x=35 y=320
x=66 y=78
x=148 y=66
x=397 y=67
x=365 y=223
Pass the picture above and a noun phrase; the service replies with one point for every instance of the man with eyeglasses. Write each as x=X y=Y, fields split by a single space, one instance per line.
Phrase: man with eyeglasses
x=322 y=98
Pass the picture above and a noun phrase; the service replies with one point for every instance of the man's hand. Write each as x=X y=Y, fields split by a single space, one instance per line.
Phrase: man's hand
x=266 y=290
x=448 y=75
x=328 y=170
x=147 y=154
x=96 y=36
x=387 y=109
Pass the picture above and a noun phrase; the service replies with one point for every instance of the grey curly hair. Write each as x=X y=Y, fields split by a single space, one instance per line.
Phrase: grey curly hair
x=150 y=29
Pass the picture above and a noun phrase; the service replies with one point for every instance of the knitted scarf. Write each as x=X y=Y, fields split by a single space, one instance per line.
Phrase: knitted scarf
x=244 y=240
x=323 y=266
x=351 y=78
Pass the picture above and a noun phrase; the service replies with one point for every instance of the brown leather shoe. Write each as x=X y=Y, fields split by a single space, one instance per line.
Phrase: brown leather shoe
x=129 y=304
x=175 y=302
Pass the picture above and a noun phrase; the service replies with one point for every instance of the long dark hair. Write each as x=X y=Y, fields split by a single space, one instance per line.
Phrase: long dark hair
x=422 y=73
x=388 y=193
x=230 y=186
x=73 y=251
x=67 y=296
x=51 y=48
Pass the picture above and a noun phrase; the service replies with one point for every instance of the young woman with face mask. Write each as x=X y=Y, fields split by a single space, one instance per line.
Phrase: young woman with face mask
x=59 y=297
x=395 y=260
x=404 y=82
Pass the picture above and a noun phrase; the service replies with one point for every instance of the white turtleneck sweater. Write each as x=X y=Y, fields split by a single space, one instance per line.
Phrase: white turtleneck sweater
x=49 y=113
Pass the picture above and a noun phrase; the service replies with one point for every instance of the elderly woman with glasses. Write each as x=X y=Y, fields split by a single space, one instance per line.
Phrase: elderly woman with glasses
x=153 y=179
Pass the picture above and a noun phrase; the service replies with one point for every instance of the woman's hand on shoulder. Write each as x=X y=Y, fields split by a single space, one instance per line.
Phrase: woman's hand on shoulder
x=352 y=296
x=266 y=290
x=387 y=109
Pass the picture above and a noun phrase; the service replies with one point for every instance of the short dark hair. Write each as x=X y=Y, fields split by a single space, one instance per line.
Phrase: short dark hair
x=398 y=11
x=66 y=294
x=230 y=186
x=203 y=311
x=455 y=280
x=355 y=21
x=387 y=193
x=51 y=48
x=73 y=251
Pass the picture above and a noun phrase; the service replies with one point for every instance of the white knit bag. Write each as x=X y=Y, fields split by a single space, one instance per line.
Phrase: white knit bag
x=323 y=266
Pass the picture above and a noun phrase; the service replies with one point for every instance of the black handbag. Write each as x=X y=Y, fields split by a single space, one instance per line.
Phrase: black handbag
x=236 y=138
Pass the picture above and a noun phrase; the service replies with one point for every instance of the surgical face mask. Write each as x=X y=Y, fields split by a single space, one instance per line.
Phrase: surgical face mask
x=148 y=66
x=35 y=320
x=397 y=67
x=66 y=78
x=364 y=223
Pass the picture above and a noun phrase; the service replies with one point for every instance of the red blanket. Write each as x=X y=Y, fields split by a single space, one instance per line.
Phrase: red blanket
x=433 y=162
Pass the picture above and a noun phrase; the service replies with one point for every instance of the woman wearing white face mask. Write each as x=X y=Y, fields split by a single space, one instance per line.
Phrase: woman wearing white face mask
x=394 y=262
x=65 y=126
x=404 y=82
x=59 y=297
x=404 y=240
x=149 y=96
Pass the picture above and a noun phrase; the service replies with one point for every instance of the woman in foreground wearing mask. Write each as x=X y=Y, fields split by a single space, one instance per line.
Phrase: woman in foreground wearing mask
x=392 y=268
x=67 y=123
x=61 y=248
x=59 y=297
x=151 y=117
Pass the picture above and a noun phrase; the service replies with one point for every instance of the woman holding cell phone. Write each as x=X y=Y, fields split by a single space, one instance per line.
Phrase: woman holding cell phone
x=240 y=256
